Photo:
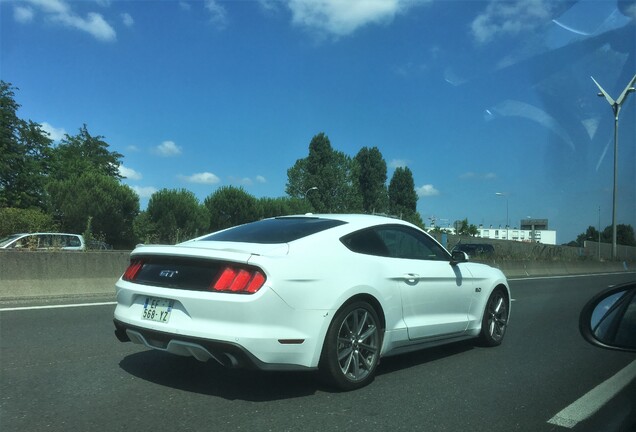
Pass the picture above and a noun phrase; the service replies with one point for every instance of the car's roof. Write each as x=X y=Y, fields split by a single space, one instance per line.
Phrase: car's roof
x=355 y=219
x=285 y=229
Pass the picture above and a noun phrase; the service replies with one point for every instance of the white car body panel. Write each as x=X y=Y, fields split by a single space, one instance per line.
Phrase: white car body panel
x=308 y=281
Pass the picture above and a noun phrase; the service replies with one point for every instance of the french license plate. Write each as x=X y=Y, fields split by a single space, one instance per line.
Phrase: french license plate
x=157 y=309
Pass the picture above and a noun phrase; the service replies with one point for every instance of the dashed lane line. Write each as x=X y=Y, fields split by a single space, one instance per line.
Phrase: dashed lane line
x=595 y=399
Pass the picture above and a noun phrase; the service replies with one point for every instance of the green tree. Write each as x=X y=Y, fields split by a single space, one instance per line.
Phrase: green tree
x=272 y=207
x=144 y=228
x=16 y=220
x=175 y=216
x=370 y=173
x=229 y=206
x=402 y=196
x=24 y=154
x=624 y=235
x=110 y=206
x=590 y=234
x=325 y=176
x=82 y=153
x=464 y=228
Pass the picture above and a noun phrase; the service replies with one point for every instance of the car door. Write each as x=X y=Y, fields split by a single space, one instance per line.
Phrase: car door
x=436 y=295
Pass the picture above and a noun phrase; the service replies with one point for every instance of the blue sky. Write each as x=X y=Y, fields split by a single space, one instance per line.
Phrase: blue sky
x=475 y=97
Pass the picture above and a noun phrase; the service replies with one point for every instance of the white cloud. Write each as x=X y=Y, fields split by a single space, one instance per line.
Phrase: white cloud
x=127 y=19
x=245 y=181
x=341 y=18
x=427 y=191
x=144 y=191
x=201 y=178
x=51 y=6
x=23 y=14
x=94 y=24
x=269 y=5
x=185 y=6
x=398 y=163
x=129 y=173
x=261 y=179
x=218 y=14
x=56 y=134
x=478 y=176
x=59 y=11
x=509 y=18
x=167 y=149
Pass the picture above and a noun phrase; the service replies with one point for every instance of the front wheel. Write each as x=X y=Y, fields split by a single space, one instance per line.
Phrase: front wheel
x=495 y=320
x=352 y=346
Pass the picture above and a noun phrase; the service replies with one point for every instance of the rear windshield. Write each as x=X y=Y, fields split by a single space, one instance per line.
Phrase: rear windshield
x=272 y=231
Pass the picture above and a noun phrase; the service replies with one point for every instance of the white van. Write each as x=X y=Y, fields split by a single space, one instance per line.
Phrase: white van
x=43 y=241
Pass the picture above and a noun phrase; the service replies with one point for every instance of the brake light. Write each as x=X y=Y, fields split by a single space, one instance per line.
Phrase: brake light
x=133 y=269
x=238 y=280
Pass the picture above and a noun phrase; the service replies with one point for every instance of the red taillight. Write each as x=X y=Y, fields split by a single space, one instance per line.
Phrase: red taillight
x=239 y=280
x=131 y=272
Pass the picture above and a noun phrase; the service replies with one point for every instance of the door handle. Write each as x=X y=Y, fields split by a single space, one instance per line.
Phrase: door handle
x=411 y=278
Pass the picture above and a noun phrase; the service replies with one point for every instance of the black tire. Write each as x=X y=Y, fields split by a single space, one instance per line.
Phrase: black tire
x=495 y=319
x=351 y=350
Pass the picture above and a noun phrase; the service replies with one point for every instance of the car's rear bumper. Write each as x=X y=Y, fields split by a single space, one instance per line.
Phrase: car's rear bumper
x=258 y=331
x=226 y=353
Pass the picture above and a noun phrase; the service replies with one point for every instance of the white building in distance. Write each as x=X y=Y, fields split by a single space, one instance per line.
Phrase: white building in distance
x=530 y=230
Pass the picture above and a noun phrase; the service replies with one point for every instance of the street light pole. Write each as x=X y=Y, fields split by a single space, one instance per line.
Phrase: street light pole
x=501 y=194
x=599 y=233
x=616 y=108
x=309 y=190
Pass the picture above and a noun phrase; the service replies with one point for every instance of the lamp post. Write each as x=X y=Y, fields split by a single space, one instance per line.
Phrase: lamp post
x=616 y=108
x=599 y=233
x=501 y=194
x=309 y=190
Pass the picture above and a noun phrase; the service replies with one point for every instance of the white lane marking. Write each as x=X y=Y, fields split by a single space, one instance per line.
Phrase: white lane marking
x=57 y=306
x=568 y=276
x=593 y=400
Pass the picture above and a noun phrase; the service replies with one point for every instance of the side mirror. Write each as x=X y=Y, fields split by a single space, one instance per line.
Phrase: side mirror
x=458 y=257
x=608 y=320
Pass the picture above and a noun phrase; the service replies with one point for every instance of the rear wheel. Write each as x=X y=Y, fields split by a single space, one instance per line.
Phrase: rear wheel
x=495 y=320
x=352 y=346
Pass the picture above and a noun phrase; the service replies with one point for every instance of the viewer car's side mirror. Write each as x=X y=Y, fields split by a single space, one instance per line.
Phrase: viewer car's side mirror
x=608 y=320
x=458 y=257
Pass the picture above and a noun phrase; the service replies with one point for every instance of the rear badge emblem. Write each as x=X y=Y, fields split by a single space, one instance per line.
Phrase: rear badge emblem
x=168 y=273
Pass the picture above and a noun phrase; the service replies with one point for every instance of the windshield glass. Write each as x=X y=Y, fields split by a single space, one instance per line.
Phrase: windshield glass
x=6 y=240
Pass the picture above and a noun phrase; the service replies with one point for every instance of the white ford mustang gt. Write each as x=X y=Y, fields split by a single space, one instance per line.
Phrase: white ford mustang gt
x=327 y=292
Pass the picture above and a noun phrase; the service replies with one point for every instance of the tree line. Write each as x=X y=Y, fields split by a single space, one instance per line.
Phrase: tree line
x=624 y=236
x=75 y=186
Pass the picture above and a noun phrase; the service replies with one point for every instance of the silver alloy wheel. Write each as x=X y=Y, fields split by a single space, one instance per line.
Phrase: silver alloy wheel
x=358 y=344
x=497 y=316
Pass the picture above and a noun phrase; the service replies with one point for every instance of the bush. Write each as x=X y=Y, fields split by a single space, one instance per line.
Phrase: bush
x=14 y=220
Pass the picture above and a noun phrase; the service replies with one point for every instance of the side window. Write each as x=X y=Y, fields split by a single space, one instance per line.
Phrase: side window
x=41 y=241
x=72 y=241
x=366 y=242
x=407 y=243
x=19 y=243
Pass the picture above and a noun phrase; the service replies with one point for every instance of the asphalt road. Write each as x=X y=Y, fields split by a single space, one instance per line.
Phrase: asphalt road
x=62 y=369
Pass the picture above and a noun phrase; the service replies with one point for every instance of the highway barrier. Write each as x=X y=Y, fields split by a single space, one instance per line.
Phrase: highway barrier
x=28 y=275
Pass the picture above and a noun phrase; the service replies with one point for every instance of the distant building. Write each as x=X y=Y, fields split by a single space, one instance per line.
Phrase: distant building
x=531 y=230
